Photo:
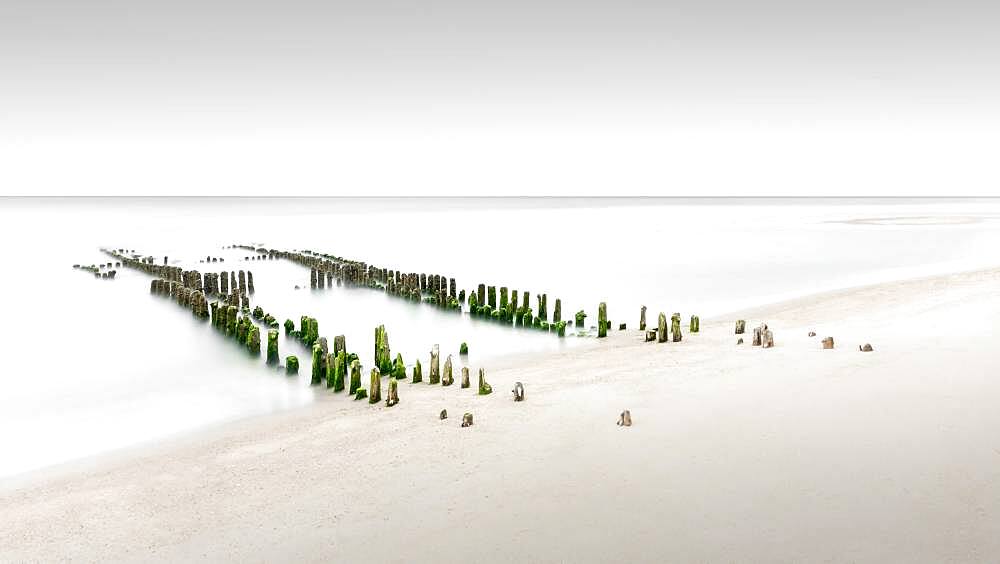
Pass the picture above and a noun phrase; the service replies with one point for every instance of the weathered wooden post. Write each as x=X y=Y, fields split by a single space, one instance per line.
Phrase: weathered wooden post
x=253 y=340
x=481 y=294
x=355 y=377
x=399 y=368
x=828 y=343
x=526 y=319
x=642 y=319
x=339 y=344
x=435 y=376
x=581 y=317
x=250 y=282
x=557 y=311
x=602 y=320
x=561 y=328
x=695 y=324
x=375 y=388
x=463 y=349
x=339 y=367
x=417 y=373
x=492 y=297
x=662 y=328
x=392 y=397
x=289 y=327
x=503 y=298
x=484 y=388
x=465 y=376
x=767 y=338
x=543 y=307
x=447 y=379
x=382 y=359
x=467 y=420
x=291 y=364
x=317 y=365
x=675 y=327
x=741 y=326
x=756 y=336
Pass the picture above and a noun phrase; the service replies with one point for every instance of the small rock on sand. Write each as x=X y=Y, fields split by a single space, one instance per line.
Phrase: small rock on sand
x=866 y=348
x=812 y=333
x=444 y=414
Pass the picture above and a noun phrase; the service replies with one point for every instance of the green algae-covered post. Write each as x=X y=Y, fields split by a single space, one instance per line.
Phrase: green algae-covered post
x=484 y=388
x=662 y=328
x=526 y=319
x=291 y=364
x=253 y=340
x=503 y=297
x=561 y=328
x=272 y=346
x=360 y=394
x=382 y=360
x=339 y=364
x=581 y=318
x=289 y=327
x=399 y=368
x=695 y=324
x=642 y=319
x=602 y=320
x=392 y=396
x=418 y=375
x=231 y=314
x=375 y=387
x=339 y=344
x=435 y=377
x=463 y=349
x=447 y=379
x=473 y=304
x=465 y=376
x=492 y=297
x=355 y=377
x=557 y=311
x=543 y=307
x=675 y=327
x=317 y=365
x=481 y=294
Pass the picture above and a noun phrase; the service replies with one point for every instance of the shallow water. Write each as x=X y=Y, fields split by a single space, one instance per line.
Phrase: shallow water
x=93 y=365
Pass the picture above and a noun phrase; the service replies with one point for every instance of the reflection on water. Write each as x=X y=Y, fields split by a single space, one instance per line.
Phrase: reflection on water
x=93 y=365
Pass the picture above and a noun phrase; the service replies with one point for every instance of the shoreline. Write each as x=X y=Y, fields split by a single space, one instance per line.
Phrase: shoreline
x=900 y=422
x=223 y=427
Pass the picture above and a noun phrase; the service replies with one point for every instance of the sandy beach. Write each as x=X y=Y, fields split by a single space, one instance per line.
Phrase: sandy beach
x=736 y=454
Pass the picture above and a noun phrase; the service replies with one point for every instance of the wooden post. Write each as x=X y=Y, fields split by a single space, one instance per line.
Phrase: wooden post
x=642 y=319
x=447 y=379
x=484 y=388
x=465 y=376
x=355 y=377
x=435 y=376
x=695 y=324
x=662 y=328
x=602 y=320
x=375 y=387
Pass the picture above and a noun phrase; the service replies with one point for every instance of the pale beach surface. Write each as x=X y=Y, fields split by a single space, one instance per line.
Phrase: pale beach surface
x=736 y=454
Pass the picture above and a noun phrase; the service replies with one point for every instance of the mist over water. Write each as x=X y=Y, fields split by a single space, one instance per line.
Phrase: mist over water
x=93 y=365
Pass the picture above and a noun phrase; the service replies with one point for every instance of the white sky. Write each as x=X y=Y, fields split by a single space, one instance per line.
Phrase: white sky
x=466 y=98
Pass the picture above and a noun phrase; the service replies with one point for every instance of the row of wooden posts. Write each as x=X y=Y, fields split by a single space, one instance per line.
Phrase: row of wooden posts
x=187 y=289
x=484 y=303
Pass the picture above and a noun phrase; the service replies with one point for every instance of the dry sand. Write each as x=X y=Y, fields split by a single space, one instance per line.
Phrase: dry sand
x=736 y=454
